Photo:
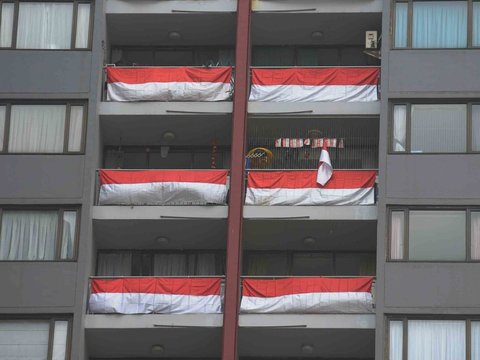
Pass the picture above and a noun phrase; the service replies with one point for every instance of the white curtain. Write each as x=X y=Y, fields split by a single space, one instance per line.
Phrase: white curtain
x=475 y=235
x=203 y=264
x=439 y=128
x=397 y=235
x=37 y=128
x=24 y=339
x=399 y=127
x=44 y=25
x=439 y=24
x=476 y=126
x=476 y=24
x=114 y=264
x=396 y=340
x=3 y=111
x=6 y=27
x=68 y=236
x=75 y=129
x=28 y=235
x=170 y=265
x=401 y=24
x=436 y=340
x=60 y=334
x=83 y=26
x=475 y=340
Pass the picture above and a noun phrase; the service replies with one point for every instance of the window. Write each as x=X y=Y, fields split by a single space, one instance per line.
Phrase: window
x=426 y=24
x=42 y=128
x=54 y=25
x=433 y=339
x=435 y=128
x=40 y=338
x=434 y=234
x=165 y=263
x=38 y=234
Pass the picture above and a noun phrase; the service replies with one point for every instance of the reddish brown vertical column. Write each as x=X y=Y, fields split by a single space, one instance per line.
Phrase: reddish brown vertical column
x=237 y=184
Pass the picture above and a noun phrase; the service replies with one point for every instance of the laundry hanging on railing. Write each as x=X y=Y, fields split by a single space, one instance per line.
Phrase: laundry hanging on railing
x=155 y=296
x=307 y=295
x=300 y=187
x=169 y=84
x=313 y=143
x=315 y=84
x=163 y=187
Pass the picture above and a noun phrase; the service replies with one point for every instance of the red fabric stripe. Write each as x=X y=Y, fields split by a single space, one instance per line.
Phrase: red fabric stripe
x=316 y=77
x=150 y=285
x=178 y=74
x=150 y=176
x=289 y=286
x=307 y=179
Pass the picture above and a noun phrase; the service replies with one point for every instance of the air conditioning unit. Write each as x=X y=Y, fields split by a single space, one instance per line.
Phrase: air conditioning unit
x=371 y=40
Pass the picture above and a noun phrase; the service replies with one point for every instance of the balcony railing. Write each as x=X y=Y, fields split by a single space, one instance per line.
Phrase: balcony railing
x=275 y=84
x=260 y=295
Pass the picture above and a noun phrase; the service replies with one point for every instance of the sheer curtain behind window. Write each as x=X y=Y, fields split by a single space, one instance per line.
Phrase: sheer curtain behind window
x=44 y=25
x=436 y=340
x=202 y=264
x=401 y=24
x=6 y=27
x=475 y=235
x=397 y=235
x=114 y=264
x=396 y=340
x=28 y=235
x=476 y=24
x=75 y=129
x=83 y=26
x=36 y=128
x=475 y=340
x=439 y=24
x=399 y=128
x=60 y=335
x=170 y=265
x=68 y=236
x=24 y=339
x=3 y=112
x=476 y=127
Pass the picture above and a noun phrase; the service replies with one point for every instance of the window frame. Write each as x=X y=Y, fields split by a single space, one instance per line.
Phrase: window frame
x=74 y=24
x=408 y=136
x=51 y=330
x=66 y=136
x=58 y=241
x=404 y=319
x=410 y=27
x=406 y=226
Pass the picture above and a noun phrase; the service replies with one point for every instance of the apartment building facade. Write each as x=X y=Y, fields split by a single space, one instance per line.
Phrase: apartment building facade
x=159 y=196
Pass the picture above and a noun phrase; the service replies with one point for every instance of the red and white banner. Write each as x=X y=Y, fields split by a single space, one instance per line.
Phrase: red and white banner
x=155 y=296
x=345 y=187
x=315 y=84
x=163 y=187
x=307 y=295
x=169 y=84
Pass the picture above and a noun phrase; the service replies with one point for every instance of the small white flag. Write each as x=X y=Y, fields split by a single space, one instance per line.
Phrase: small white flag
x=325 y=169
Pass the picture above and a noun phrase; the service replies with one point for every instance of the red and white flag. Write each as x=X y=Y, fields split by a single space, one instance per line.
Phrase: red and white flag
x=313 y=84
x=169 y=84
x=325 y=170
x=307 y=295
x=155 y=296
x=163 y=187
x=300 y=187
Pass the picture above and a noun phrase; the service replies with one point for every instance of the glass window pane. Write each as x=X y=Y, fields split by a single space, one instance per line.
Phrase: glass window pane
x=114 y=264
x=476 y=127
x=396 y=340
x=36 y=128
x=24 y=339
x=3 y=113
x=397 y=235
x=436 y=339
x=312 y=264
x=266 y=264
x=83 y=26
x=273 y=56
x=170 y=265
x=399 y=128
x=475 y=340
x=439 y=128
x=401 y=25
x=439 y=24
x=475 y=235
x=75 y=129
x=437 y=235
x=476 y=24
x=60 y=340
x=44 y=25
x=6 y=27
x=355 y=264
x=68 y=236
x=28 y=235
